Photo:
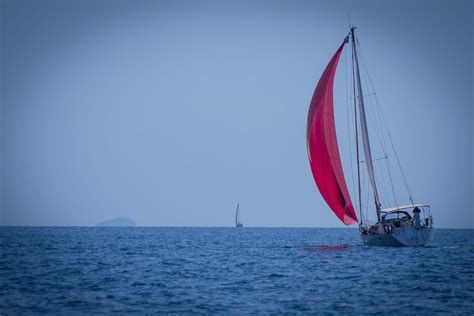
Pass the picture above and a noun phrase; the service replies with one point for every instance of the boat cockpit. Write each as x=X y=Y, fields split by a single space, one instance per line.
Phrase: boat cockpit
x=395 y=216
x=398 y=215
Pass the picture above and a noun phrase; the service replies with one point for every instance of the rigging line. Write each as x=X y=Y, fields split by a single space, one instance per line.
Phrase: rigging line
x=363 y=161
x=368 y=79
x=379 y=178
x=390 y=139
x=349 y=126
x=391 y=183
x=373 y=111
x=401 y=170
x=383 y=185
x=367 y=200
x=382 y=121
x=370 y=109
x=378 y=119
x=385 y=148
x=382 y=180
x=389 y=194
x=378 y=108
x=366 y=95
x=362 y=184
x=377 y=125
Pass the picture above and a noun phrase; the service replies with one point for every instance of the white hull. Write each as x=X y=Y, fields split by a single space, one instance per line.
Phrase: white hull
x=400 y=237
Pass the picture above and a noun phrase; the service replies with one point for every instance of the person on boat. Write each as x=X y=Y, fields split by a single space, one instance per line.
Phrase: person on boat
x=416 y=216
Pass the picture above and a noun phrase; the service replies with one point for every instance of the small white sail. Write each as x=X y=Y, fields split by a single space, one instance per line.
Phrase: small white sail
x=237 y=217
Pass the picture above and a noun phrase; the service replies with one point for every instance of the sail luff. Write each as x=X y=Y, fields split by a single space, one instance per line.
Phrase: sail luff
x=364 y=131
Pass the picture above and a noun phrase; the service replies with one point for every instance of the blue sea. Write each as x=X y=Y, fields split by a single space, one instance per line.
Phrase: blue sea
x=85 y=270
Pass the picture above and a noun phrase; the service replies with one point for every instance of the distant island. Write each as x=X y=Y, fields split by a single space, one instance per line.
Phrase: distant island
x=117 y=222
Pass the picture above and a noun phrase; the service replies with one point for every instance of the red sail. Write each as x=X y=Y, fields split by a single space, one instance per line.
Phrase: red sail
x=323 y=151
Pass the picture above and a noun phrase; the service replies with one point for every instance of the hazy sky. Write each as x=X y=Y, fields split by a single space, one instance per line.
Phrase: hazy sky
x=172 y=112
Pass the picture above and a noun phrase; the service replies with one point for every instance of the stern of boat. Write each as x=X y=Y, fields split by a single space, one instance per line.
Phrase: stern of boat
x=400 y=229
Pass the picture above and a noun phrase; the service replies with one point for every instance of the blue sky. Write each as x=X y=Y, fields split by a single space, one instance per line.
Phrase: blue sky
x=172 y=112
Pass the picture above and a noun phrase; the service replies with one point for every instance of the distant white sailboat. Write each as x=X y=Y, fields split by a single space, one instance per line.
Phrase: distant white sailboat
x=395 y=226
x=237 y=217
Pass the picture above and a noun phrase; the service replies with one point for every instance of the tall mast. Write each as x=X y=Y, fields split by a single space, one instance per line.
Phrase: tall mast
x=356 y=129
x=364 y=131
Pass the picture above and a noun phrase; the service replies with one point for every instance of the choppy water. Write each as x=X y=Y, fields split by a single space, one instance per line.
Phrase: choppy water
x=230 y=271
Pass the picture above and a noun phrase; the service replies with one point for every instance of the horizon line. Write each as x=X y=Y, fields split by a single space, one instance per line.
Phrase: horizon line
x=149 y=226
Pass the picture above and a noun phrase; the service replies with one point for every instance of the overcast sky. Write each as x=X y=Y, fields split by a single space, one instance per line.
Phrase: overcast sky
x=172 y=112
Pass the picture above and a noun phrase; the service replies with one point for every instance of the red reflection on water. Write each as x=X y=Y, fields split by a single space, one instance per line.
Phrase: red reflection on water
x=327 y=247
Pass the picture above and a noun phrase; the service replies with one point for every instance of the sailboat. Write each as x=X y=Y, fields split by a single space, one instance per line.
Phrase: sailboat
x=237 y=218
x=396 y=225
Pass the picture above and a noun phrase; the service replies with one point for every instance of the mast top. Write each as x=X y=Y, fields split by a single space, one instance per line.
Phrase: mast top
x=351 y=33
